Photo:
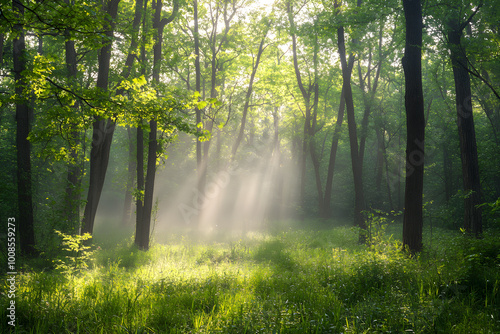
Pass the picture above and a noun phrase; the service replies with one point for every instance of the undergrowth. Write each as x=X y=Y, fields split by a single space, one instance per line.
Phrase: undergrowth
x=288 y=282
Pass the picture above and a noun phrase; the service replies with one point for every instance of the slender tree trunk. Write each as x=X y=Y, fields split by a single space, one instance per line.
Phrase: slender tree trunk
x=415 y=125
x=247 y=100
x=74 y=176
x=102 y=129
x=2 y=39
x=468 y=148
x=333 y=155
x=24 y=113
x=199 y=149
x=380 y=160
x=307 y=105
x=359 y=200
x=140 y=185
x=139 y=200
x=312 y=132
x=275 y=211
x=388 y=180
x=144 y=221
x=447 y=173
x=131 y=172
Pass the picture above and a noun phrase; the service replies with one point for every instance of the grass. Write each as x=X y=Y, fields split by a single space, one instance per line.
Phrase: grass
x=293 y=281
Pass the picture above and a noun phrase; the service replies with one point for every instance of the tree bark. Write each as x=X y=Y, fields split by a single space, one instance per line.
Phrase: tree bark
x=415 y=125
x=102 y=129
x=359 y=200
x=74 y=176
x=24 y=113
x=131 y=172
x=306 y=95
x=466 y=131
x=144 y=221
x=333 y=155
x=140 y=186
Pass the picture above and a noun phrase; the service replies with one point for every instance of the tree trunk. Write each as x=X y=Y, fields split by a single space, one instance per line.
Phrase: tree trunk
x=24 y=113
x=199 y=150
x=102 y=129
x=140 y=185
x=247 y=100
x=466 y=132
x=447 y=173
x=131 y=171
x=359 y=200
x=312 y=131
x=333 y=155
x=307 y=104
x=2 y=39
x=415 y=125
x=144 y=221
x=74 y=176
x=132 y=163
x=380 y=161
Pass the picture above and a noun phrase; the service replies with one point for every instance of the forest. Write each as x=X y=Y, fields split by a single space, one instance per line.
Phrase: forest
x=250 y=166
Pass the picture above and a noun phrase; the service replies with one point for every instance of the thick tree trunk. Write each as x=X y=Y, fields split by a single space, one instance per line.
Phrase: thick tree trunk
x=468 y=148
x=24 y=113
x=415 y=124
x=102 y=129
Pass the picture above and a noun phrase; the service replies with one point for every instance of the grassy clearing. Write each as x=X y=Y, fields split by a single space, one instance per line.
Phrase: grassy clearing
x=288 y=282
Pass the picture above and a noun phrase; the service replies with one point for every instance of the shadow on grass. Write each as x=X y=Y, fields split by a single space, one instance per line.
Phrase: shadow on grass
x=273 y=252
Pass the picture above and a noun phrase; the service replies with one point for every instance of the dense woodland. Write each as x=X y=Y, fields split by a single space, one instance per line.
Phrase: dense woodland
x=306 y=100
x=212 y=117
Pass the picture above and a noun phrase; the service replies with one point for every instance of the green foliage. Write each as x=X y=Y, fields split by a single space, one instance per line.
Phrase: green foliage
x=377 y=222
x=492 y=213
x=78 y=254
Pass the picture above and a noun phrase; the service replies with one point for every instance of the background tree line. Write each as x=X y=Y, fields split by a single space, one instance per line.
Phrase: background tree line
x=95 y=93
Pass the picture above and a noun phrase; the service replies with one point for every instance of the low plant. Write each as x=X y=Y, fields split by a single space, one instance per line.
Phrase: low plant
x=77 y=253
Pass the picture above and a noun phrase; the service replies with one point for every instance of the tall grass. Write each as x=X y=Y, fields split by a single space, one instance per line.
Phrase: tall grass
x=288 y=282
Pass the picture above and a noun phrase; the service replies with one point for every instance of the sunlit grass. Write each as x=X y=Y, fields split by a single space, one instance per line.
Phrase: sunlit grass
x=292 y=281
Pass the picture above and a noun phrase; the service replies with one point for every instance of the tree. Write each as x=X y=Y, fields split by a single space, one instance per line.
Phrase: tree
x=102 y=127
x=306 y=95
x=144 y=221
x=359 y=200
x=74 y=176
x=255 y=66
x=24 y=112
x=415 y=127
x=465 y=121
x=333 y=151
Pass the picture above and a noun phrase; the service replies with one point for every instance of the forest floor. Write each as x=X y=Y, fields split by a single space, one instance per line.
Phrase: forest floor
x=288 y=281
